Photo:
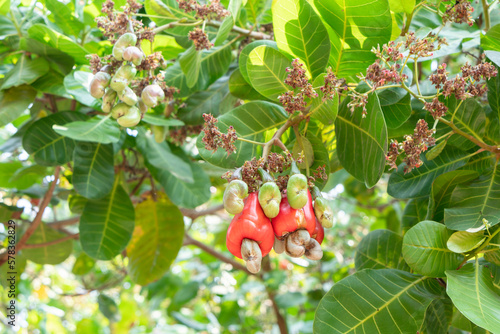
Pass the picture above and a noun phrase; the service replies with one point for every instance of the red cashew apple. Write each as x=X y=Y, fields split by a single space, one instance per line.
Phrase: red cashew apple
x=250 y=235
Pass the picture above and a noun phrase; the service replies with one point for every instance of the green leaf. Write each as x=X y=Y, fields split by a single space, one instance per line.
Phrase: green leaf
x=360 y=25
x=51 y=83
x=321 y=157
x=494 y=94
x=380 y=249
x=415 y=211
x=224 y=30
x=375 y=301
x=491 y=41
x=214 y=64
x=438 y=316
x=418 y=182
x=238 y=87
x=425 y=251
x=190 y=62
x=108 y=307
x=161 y=120
x=45 y=145
x=435 y=151
x=97 y=130
x=325 y=111
x=14 y=101
x=442 y=188
x=472 y=292
x=64 y=18
x=397 y=113
x=494 y=56
x=4 y=6
x=299 y=32
x=76 y=83
x=186 y=195
x=399 y=6
x=60 y=61
x=242 y=61
x=44 y=34
x=160 y=155
x=362 y=142
x=93 y=171
x=250 y=121
x=266 y=69
x=52 y=254
x=477 y=200
x=205 y=102
x=83 y=264
x=25 y=71
x=106 y=225
x=152 y=251
x=463 y=241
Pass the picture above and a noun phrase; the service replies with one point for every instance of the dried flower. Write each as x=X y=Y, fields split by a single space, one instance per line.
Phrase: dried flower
x=213 y=10
x=333 y=85
x=436 y=108
x=460 y=12
x=214 y=139
x=292 y=102
x=200 y=39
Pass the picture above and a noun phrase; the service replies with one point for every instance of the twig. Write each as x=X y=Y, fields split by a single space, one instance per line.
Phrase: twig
x=53 y=242
x=65 y=222
x=193 y=214
x=138 y=185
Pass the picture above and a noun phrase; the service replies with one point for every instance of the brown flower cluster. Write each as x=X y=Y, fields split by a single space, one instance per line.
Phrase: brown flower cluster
x=297 y=79
x=178 y=135
x=278 y=163
x=318 y=174
x=422 y=47
x=333 y=85
x=389 y=52
x=413 y=147
x=459 y=12
x=380 y=76
x=200 y=39
x=212 y=11
x=292 y=102
x=358 y=100
x=436 y=108
x=214 y=139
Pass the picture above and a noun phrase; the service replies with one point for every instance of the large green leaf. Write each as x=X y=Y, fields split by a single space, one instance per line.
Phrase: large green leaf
x=375 y=301
x=418 y=182
x=494 y=94
x=76 y=83
x=397 y=113
x=240 y=88
x=242 y=61
x=224 y=30
x=204 y=102
x=190 y=62
x=380 y=249
x=14 y=101
x=64 y=18
x=361 y=25
x=491 y=40
x=425 y=250
x=299 y=32
x=415 y=211
x=472 y=202
x=463 y=241
x=398 y=6
x=362 y=142
x=160 y=155
x=250 y=120
x=93 y=170
x=214 y=64
x=161 y=120
x=44 y=34
x=186 y=195
x=25 y=71
x=52 y=254
x=472 y=292
x=106 y=225
x=438 y=317
x=45 y=145
x=442 y=188
x=325 y=111
x=266 y=69
x=98 y=130
x=151 y=251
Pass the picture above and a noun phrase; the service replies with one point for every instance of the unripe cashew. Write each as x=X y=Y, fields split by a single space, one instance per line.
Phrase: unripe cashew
x=234 y=196
x=122 y=77
x=251 y=253
x=296 y=191
x=134 y=55
x=99 y=83
x=108 y=100
x=119 y=110
x=125 y=40
x=323 y=212
x=128 y=96
x=152 y=95
x=131 y=118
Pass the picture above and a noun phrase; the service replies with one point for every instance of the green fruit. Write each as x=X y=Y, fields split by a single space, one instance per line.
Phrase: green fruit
x=125 y=40
x=270 y=199
x=131 y=118
x=123 y=76
x=142 y=107
x=134 y=55
x=296 y=191
x=159 y=132
x=98 y=84
x=108 y=100
x=128 y=96
x=152 y=95
x=234 y=196
x=323 y=212
x=119 y=110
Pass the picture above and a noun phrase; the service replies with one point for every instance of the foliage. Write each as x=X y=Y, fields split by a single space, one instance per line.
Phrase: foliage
x=390 y=107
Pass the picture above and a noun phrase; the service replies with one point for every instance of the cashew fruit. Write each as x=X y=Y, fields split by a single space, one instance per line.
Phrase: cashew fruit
x=125 y=40
x=152 y=95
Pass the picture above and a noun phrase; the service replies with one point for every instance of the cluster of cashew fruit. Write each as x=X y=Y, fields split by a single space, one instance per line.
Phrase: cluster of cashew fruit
x=129 y=109
x=265 y=219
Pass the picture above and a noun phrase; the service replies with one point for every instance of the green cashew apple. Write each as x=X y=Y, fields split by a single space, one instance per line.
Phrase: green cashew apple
x=123 y=76
x=125 y=40
x=131 y=118
x=134 y=55
x=128 y=96
x=108 y=100
x=152 y=95
x=99 y=83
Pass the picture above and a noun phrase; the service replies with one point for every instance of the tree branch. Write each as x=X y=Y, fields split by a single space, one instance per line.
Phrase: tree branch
x=193 y=214
x=65 y=222
x=53 y=242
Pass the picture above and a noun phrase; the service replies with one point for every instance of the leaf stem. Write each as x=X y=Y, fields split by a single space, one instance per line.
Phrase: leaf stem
x=480 y=143
x=251 y=141
x=486 y=15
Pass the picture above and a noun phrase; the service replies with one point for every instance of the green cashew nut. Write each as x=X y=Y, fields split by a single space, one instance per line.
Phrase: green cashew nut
x=119 y=110
x=142 y=107
x=296 y=189
x=123 y=76
x=152 y=95
x=128 y=96
x=134 y=55
x=108 y=100
x=99 y=83
x=270 y=199
x=125 y=40
x=322 y=209
x=234 y=196
x=131 y=118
